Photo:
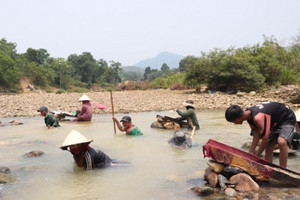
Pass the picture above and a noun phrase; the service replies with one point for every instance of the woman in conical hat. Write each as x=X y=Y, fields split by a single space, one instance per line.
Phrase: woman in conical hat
x=86 y=112
x=84 y=155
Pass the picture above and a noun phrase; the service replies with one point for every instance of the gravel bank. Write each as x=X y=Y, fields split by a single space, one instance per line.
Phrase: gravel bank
x=26 y=104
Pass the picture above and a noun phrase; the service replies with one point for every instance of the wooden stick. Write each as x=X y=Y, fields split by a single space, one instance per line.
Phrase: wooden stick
x=112 y=110
x=193 y=131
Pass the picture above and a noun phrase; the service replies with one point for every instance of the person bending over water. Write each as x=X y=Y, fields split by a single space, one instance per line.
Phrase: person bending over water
x=189 y=114
x=274 y=122
x=50 y=119
x=85 y=156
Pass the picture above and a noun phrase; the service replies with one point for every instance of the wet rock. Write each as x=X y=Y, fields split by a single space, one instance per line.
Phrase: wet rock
x=4 y=170
x=156 y=125
x=217 y=167
x=244 y=182
x=222 y=180
x=246 y=145
x=203 y=191
x=230 y=192
x=34 y=153
x=6 y=178
x=211 y=177
x=171 y=125
x=249 y=195
x=274 y=196
x=15 y=122
x=229 y=171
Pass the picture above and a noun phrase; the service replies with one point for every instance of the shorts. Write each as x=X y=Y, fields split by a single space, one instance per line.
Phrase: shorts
x=284 y=131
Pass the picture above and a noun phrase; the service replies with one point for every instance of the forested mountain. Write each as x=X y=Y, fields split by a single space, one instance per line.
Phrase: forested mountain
x=171 y=59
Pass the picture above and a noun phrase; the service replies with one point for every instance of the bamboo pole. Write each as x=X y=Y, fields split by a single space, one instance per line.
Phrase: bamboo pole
x=112 y=110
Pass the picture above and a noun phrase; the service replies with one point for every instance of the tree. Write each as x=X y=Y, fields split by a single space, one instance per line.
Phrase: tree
x=131 y=76
x=8 y=48
x=62 y=70
x=8 y=72
x=183 y=64
x=236 y=73
x=83 y=66
x=154 y=73
x=147 y=72
x=117 y=70
x=38 y=56
x=100 y=69
x=197 y=71
x=165 y=69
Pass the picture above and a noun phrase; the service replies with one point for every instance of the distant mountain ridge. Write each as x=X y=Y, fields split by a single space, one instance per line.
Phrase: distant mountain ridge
x=171 y=59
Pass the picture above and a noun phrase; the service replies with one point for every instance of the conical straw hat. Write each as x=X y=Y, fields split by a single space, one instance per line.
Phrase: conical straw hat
x=74 y=137
x=297 y=113
x=84 y=98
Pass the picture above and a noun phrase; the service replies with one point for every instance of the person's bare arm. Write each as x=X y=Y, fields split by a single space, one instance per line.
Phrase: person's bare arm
x=120 y=127
x=262 y=146
x=255 y=140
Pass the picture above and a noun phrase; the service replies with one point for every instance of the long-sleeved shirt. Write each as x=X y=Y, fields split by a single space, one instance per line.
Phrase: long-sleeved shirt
x=86 y=112
x=50 y=120
x=189 y=113
x=96 y=159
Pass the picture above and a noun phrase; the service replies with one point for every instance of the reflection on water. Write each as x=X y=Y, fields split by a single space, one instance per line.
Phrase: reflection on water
x=156 y=170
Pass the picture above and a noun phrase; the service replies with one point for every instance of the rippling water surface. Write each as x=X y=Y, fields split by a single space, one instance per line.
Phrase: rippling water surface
x=156 y=170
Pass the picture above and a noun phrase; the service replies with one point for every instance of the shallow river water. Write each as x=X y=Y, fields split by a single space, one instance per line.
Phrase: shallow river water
x=156 y=170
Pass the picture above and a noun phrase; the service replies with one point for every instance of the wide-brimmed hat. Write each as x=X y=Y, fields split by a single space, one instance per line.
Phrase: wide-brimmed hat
x=84 y=98
x=180 y=139
x=188 y=103
x=74 y=137
x=42 y=108
x=297 y=113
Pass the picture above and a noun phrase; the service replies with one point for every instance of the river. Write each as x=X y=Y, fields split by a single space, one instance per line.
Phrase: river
x=156 y=170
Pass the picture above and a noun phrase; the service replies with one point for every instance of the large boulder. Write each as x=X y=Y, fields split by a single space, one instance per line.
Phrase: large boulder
x=211 y=177
x=244 y=182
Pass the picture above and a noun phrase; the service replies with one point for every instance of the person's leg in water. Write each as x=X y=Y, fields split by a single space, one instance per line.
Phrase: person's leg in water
x=269 y=151
x=284 y=151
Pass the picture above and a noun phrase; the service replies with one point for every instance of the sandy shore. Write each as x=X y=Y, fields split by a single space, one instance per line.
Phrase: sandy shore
x=26 y=104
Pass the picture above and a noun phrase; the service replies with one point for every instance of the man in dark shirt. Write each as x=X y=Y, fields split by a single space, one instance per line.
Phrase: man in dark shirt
x=274 y=122
x=84 y=155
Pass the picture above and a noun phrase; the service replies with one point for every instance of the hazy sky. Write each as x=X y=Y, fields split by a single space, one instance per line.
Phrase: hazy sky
x=128 y=31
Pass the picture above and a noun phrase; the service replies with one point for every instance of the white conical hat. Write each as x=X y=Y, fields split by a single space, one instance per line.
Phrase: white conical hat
x=84 y=98
x=297 y=113
x=74 y=137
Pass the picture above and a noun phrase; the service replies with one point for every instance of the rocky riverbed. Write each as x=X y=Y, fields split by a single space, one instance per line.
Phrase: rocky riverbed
x=26 y=104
